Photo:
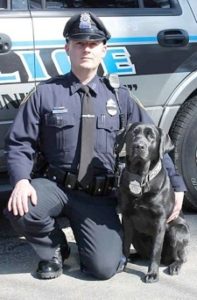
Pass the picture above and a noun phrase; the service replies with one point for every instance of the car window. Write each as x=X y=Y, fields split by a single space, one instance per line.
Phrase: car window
x=36 y=4
x=22 y=4
x=3 y=4
x=14 y=4
x=48 y=4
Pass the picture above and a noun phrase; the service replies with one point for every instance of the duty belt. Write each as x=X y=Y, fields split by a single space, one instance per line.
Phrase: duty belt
x=100 y=185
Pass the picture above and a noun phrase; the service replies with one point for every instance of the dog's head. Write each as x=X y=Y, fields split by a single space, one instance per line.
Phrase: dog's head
x=146 y=142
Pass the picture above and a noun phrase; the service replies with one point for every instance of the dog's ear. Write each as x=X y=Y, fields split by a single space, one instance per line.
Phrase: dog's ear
x=130 y=126
x=166 y=144
x=121 y=137
x=120 y=140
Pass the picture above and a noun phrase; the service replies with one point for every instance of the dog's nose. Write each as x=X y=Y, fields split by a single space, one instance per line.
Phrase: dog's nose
x=139 y=146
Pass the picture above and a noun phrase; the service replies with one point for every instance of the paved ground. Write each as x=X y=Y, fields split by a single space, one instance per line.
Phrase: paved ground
x=18 y=263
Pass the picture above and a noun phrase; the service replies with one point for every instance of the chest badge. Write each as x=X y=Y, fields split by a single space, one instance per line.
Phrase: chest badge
x=111 y=107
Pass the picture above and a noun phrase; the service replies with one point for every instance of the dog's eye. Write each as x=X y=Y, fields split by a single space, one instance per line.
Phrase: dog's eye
x=134 y=133
x=149 y=133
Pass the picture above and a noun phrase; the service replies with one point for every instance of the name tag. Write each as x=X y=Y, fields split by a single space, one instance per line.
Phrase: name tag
x=59 y=110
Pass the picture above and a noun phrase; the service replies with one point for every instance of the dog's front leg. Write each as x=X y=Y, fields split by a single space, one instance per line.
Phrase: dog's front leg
x=158 y=239
x=127 y=240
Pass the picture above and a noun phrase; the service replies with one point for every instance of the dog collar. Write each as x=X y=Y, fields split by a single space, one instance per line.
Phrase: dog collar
x=136 y=183
x=155 y=171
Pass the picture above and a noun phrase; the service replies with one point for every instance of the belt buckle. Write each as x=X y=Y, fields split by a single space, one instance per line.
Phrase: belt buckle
x=109 y=184
x=98 y=185
x=70 y=181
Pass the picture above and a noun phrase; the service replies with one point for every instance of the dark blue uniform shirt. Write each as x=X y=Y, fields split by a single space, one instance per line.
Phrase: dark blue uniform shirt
x=50 y=119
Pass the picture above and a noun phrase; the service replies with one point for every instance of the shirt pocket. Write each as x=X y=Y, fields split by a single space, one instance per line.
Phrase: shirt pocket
x=107 y=128
x=60 y=131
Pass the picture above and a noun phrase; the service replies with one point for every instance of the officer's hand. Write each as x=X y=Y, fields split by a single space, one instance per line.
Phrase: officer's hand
x=18 y=201
x=177 y=207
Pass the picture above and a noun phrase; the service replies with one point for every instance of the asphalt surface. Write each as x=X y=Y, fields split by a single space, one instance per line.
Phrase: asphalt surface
x=18 y=263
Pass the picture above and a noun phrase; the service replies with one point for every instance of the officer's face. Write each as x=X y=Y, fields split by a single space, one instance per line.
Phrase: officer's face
x=85 y=55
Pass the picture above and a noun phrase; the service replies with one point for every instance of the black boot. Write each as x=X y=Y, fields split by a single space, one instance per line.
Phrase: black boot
x=48 y=269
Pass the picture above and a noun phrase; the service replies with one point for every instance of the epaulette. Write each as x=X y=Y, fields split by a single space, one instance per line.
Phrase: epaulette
x=26 y=98
x=106 y=80
x=53 y=79
x=135 y=98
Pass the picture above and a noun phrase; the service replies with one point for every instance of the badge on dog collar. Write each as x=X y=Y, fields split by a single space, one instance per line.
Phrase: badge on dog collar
x=135 y=187
x=112 y=107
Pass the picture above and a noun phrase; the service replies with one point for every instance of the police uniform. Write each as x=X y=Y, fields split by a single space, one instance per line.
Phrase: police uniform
x=50 y=120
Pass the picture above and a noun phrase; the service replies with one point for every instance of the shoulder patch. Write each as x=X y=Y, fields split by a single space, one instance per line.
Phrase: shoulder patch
x=28 y=95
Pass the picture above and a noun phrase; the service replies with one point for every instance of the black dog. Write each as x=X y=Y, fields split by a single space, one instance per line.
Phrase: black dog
x=147 y=200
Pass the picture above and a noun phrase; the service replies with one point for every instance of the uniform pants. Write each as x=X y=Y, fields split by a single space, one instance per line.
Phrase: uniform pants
x=93 y=219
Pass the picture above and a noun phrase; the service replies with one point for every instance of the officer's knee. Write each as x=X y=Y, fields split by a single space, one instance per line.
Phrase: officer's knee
x=104 y=272
x=17 y=222
x=100 y=269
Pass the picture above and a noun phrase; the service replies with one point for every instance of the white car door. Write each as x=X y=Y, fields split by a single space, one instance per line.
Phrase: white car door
x=16 y=48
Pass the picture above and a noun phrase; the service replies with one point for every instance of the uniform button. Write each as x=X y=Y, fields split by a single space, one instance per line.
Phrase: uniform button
x=69 y=186
x=54 y=177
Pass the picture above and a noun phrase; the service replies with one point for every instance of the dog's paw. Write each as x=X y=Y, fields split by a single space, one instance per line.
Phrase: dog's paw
x=151 y=277
x=174 y=268
x=133 y=256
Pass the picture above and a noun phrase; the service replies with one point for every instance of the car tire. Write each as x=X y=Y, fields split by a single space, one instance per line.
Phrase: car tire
x=184 y=136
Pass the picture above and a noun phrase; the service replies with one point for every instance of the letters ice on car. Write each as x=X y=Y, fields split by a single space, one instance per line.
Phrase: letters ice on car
x=117 y=60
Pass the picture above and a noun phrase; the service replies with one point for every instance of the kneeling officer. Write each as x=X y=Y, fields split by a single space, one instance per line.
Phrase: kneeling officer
x=73 y=121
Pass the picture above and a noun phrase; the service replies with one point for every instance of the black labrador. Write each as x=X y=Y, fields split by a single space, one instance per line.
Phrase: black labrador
x=146 y=201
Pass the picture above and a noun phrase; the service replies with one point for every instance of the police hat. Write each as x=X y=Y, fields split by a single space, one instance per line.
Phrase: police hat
x=85 y=26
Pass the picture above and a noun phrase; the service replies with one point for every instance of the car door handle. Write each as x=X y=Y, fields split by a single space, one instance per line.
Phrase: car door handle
x=173 y=38
x=5 y=43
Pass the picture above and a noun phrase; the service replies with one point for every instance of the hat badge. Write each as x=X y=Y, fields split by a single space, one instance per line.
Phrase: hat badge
x=85 y=21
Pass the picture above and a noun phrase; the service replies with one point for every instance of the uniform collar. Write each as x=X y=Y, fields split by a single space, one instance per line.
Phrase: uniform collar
x=75 y=84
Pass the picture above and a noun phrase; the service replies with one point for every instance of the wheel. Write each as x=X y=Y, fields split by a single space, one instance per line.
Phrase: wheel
x=184 y=136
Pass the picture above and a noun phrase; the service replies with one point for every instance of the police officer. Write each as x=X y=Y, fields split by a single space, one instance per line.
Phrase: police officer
x=66 y=118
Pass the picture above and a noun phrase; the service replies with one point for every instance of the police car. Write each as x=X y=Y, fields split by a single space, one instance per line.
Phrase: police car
x=153 y=49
